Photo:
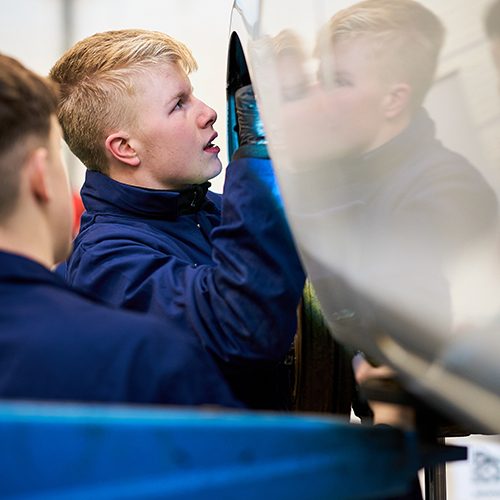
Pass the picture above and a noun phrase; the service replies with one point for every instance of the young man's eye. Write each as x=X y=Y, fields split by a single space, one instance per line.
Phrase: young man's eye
x=342 y=82
x=341 y=79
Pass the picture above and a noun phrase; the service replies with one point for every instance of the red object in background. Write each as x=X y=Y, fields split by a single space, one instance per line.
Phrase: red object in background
x=78 y=210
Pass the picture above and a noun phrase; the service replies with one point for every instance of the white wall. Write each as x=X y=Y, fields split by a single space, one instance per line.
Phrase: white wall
x=34 y=32
x=31 y=31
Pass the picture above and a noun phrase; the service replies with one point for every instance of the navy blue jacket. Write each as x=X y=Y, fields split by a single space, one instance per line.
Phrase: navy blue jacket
x=223 y=267
x=58 y=344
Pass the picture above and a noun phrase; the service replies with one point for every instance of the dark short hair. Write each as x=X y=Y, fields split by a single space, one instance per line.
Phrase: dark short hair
x=492 y=19
x=27 y=103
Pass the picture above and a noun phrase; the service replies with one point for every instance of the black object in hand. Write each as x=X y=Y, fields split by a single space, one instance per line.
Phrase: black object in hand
x=251 y=136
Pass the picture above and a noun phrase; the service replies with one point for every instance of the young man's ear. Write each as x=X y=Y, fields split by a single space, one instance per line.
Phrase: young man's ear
x=398 y=100
x=118 y=144
x=36 y=168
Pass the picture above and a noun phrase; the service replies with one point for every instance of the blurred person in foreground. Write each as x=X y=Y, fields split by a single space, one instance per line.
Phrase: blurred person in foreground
x=54 y=342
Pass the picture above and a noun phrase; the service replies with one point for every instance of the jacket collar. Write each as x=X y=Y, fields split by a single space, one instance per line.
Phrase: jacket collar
x=393 y=154
x=420 y=130
x=16 y=268
x=101 y=193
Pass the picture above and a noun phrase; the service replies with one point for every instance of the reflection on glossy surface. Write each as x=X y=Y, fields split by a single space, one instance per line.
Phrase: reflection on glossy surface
x=387 y=163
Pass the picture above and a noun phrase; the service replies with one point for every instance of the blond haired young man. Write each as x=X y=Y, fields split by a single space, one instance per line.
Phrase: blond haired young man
x=56 y=343
x=153 y=238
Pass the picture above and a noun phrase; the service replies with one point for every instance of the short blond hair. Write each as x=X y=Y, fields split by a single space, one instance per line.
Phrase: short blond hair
x=406 y=36
x=96 y=84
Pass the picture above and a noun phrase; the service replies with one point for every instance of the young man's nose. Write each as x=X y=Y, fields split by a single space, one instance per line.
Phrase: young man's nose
x=207 y=116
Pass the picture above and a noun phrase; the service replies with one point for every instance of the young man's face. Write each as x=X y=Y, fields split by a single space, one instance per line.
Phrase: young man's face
x=357 y=103
x=61 y=208
x=173 y=131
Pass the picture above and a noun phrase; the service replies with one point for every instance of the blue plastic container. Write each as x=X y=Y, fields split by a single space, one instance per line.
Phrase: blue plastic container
x=77 y=452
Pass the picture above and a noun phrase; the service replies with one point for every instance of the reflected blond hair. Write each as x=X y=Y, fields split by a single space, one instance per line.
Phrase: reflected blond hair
x=97 y=85
x=406 y=37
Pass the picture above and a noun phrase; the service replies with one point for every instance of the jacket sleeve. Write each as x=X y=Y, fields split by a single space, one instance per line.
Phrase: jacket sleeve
x=242 y=307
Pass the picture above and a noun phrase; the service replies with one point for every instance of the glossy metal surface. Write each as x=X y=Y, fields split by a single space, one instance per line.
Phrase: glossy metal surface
x=399 y=295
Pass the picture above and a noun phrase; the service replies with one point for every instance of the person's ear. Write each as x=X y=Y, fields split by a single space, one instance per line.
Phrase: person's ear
x=36 y=167
x=118 y=144
x=398 y=100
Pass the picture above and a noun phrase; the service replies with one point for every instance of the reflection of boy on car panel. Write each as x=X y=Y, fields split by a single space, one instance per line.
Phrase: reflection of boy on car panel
x=392 y=205
x=424 y=203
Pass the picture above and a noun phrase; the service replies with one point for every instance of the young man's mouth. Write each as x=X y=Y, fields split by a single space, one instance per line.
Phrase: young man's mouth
x=211 y=147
